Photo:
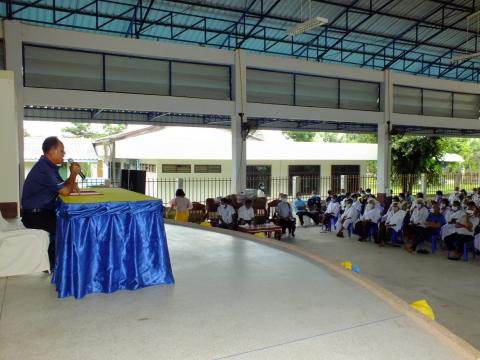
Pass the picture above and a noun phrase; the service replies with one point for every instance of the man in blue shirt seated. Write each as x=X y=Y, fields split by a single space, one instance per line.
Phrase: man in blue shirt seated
x=41 y=189
x=301 y=210
x=432 y=225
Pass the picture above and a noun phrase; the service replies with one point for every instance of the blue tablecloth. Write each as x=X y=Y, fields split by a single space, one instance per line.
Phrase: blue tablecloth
x=105 y=247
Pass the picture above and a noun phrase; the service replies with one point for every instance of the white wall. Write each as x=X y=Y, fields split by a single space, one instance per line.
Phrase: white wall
x=9 y=161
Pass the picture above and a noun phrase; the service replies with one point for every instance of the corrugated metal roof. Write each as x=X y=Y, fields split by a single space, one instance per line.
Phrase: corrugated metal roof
x=79 y=149
x=362 y=29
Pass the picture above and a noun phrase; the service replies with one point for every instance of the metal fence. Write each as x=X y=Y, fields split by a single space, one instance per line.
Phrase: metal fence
x=199 y=189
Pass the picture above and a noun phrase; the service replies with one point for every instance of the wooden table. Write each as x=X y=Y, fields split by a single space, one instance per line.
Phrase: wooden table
x=268 y=229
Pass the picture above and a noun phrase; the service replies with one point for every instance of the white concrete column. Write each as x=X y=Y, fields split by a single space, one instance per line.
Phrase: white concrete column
x=239 y=144
x=384 y=144
x=12 y=31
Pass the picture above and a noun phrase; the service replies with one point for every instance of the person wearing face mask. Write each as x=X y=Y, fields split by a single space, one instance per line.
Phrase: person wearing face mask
x=445 y=208
x=308 y=209
x=314 y=202
x=261 y=191
x=464 y=232
x=226 y=215
x=349 y=216
x=432 y=225
x=333 y=209
x=369 y=219
x=402 y=202
x=455 y=196
x=476 y=197
x=417 y=219
x=394 y=222
x=284 y=215
x=357 y=204
x=455 y=214
x=438 y=197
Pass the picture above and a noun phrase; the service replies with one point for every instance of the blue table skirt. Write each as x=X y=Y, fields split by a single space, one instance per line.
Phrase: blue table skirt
x=106 y=247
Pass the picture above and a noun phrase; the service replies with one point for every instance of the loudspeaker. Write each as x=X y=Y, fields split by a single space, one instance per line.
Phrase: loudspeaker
x=134 y=180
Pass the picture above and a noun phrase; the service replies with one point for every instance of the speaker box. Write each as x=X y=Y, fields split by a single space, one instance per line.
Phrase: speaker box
x=134 y=180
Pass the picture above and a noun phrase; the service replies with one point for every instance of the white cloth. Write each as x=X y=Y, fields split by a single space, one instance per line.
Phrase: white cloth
x=454 y=197
x=246 y=214
x=260 y=193
x=372 y=215
x=419 y=216
x=396 y=219
x=23 y=252
x=464 y=231
x=226 y=213
x=350 y=216
x=333 y=208
x=449 y=229
x=358 y=205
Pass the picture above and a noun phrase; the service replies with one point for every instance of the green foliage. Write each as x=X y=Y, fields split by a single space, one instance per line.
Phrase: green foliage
x=300 y=136
x=85 y=130
x=361 y=138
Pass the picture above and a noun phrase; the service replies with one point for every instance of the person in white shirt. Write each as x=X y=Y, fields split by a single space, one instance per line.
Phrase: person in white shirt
x=456 y=213
x=369 y=219
x=394 y=222
x=455 y=196
x=464 y=232
x=417 y=219
x=476 y=196
x=246 y=213
x=261 y=191
x=333 y=209
x=226 y=215
x=349 y=217
x=285 y=216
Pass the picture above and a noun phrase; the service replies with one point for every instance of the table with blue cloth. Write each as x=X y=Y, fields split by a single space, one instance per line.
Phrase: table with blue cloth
x=109 y=242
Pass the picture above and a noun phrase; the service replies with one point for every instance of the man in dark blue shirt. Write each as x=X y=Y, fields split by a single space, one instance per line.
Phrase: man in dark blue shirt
x=41 y=188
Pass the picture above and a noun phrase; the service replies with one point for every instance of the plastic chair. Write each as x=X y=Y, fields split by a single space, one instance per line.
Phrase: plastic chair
x=350 y=230
x=396 y=235
x=467 y=246
x=373 y=231
x=333 y=223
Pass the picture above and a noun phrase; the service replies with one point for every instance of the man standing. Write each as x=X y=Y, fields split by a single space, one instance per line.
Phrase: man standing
x=285 y=217
x=41 y=189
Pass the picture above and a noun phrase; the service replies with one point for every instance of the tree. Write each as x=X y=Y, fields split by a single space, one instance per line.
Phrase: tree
x=300 y=136
x=112 y=129
x=417 y=155
x=80 y=130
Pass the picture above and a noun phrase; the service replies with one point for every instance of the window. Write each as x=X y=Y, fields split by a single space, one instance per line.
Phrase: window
x=466 y=106
x=2 y=55
x=259 y=175
x=63 y=69
x=437 y=103
x=309 y=178
x=269 y=87
x=316 y=91
x=149 y=167
x=200 y=81
x=208 y=169
x=407 y=100
x=359 y=95
x=136 y=75
x=173 y=168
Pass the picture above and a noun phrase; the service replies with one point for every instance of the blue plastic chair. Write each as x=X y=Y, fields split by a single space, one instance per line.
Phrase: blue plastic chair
x=333 y=223
x=373 y=231
x=350 y=230
x=396 y=235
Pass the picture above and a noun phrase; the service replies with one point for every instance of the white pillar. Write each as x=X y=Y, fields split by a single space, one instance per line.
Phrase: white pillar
x=384 y=143
x=239 y=144
x=13 y=62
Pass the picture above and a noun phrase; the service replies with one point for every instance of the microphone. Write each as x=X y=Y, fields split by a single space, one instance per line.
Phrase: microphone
x=82 y=175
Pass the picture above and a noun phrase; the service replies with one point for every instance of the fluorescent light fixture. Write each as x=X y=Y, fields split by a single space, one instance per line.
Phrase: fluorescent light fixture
x=313 y=23
x=465 y=57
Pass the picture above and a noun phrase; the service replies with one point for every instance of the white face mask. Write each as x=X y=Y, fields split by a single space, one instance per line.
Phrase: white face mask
x=470 y=212
x=348 y=205
x=443 y=206
x=284 y=200
x=419 y=206
x=370 y=206
x=454 y=208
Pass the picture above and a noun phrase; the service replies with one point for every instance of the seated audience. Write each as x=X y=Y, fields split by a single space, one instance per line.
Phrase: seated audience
x=417 y=219
x=445 y=208
x=431 y=226
x=285 y=217
x=343 y=201
x=455 y=196
x=369 y=219
x=349 y=217
x=246 y=213
x=226 y=215
x=333 y=210
x=393 y=222
x=301 y=210
x=357 y=204
x=456 y=213
x=464 y=232
x=438 y=197
x=314 y=202
x=181 y=205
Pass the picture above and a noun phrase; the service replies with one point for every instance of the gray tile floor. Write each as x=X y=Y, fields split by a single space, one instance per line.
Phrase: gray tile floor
x=232 y=299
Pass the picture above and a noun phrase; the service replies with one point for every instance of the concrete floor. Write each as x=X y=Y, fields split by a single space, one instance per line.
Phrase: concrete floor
x=451 y=287
x=232 y=299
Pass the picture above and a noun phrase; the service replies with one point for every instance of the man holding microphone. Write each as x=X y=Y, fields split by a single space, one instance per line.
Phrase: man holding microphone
x=42 y=187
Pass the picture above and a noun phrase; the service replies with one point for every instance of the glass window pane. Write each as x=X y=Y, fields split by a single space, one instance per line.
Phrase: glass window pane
x=208 y=169
x=135 y=75
x=2 y=55
x=466 y=106
x=62 y=69
x=437 y=103
x=316 y=91
x=269 y=87
x=200 y=81
x=359 y=95
x=174 y=168
x=407 y=100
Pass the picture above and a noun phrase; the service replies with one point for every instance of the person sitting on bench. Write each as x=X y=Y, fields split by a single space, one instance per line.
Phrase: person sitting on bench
x=348 y=218
x=226 y=215
x=246 y=214
x=301 y=210
x=369 y=219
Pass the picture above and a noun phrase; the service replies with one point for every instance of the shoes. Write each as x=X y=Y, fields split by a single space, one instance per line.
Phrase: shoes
x=408 y=248
x=361 y=239
x=423 y=251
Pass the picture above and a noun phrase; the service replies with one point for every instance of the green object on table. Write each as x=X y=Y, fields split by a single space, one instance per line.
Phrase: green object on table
x=108 y=195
